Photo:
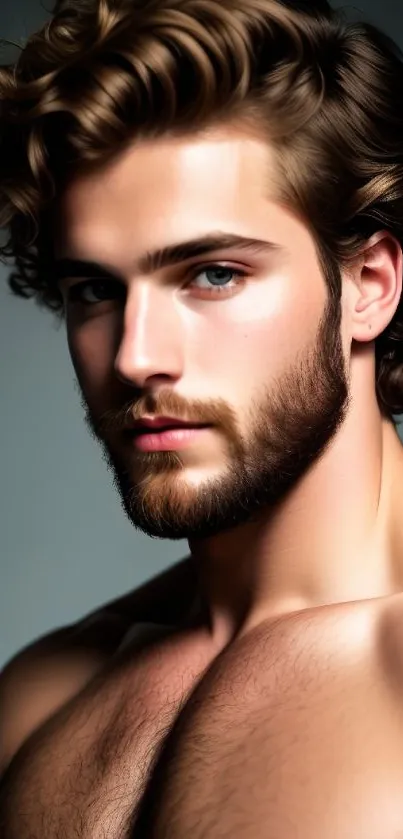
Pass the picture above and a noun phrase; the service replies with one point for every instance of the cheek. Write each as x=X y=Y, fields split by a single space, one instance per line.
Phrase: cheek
x=257 y=333
x=93 y=347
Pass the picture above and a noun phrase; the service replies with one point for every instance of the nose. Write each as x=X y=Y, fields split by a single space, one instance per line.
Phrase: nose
x=152 y=344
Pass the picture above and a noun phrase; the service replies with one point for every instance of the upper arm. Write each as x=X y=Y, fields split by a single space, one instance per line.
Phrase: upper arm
x=51 y=670
x=41 y=679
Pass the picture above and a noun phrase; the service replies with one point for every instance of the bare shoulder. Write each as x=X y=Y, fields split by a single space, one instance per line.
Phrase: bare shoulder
x=45 y=674
x=302 y=703
x=361 y=638
x=48 y=672
x=390 y=641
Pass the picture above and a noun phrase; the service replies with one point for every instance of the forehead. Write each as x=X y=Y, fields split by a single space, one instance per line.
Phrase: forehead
x=171 y=189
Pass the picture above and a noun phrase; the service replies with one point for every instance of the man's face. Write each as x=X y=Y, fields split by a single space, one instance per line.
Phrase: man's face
x=244 y=340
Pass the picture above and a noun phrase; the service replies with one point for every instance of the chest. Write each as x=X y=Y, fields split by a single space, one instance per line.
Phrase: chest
x=299 y=735
x=83 y=773
x=291 y=732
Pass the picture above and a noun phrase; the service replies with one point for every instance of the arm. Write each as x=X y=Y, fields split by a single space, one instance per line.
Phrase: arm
x=48 y=672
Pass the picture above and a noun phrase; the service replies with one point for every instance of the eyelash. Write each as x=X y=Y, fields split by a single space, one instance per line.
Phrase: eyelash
x=75 y=291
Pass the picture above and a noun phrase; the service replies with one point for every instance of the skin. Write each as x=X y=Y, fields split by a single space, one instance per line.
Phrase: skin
x=266 y=361
x=280 y=697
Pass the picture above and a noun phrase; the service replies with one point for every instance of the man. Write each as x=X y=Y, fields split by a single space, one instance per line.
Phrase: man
x=211 y=195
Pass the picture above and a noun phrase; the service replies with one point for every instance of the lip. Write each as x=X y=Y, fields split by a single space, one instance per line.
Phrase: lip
x=173 y=439
x=155 y=423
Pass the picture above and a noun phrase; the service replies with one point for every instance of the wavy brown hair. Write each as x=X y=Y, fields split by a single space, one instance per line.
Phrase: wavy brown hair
x=325 y=92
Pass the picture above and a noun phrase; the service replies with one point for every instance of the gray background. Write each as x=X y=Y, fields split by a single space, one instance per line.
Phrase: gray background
x=65 y=543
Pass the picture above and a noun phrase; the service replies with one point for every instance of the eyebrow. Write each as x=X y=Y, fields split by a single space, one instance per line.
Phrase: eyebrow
x=164 y=257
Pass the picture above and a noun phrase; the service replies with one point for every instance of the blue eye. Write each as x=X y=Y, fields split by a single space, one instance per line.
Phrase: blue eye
x=218 y=278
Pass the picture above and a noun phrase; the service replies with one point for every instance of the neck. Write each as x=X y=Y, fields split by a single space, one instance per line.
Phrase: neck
x=336 y=537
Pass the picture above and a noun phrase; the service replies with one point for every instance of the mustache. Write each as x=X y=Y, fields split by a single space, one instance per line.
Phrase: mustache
x=165 y=404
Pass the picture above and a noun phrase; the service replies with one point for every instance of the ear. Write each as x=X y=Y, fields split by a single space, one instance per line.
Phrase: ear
x=377 y=284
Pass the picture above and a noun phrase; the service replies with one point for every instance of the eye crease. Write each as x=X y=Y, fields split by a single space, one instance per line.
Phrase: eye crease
x=76 y=292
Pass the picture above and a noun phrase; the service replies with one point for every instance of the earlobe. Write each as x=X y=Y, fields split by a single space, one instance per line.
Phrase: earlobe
x=380 y=286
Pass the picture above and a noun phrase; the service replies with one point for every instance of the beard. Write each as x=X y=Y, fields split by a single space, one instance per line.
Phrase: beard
x=290 y=426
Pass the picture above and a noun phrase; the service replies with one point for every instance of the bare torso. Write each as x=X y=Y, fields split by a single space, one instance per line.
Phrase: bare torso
x=293 y=730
